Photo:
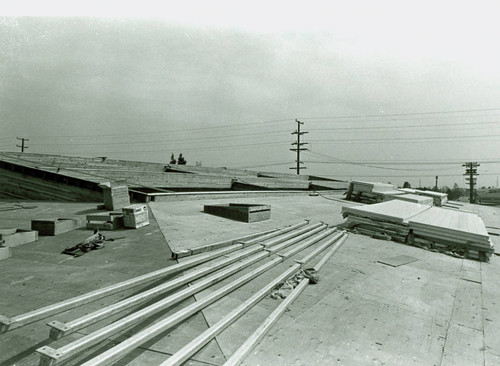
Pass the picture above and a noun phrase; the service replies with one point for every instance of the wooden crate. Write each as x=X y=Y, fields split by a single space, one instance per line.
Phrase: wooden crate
x=135 y=216
x=15 y=237
x=240 y=212
x=53 y=227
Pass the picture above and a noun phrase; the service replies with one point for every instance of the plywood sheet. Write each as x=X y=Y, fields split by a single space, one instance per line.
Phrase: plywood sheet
x=398 y=260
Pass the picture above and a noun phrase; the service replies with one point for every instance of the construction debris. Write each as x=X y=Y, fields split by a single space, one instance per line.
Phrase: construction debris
x=457 y=232
x=93 y=242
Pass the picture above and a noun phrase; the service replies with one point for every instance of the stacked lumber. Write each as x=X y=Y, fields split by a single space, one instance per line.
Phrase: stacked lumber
x=386 y=220
x=415 y=199
x=371 y=192
x=457 y=232
x=110 y=221
x=439 y=198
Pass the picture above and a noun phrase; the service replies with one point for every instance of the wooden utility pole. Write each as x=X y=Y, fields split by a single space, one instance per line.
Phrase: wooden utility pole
x=471 y=172
x=299 y=147
x=22 y=143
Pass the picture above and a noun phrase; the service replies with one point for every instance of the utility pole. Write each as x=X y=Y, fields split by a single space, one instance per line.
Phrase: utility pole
x=299 y=147
x=22 y=143
x=471 y=172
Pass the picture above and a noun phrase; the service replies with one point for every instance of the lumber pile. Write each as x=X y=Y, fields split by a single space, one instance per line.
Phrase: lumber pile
x=371 y=192
x=110 y=221
x=291 y=248
x=439 y=198
x=386 y=220
x=456 y=232
x=415 y=198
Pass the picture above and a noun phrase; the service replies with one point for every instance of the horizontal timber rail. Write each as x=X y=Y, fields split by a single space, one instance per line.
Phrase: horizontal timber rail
x=10 y=323
x=60 y=329
x=252 y=341
x=50 y=356
x=196 y=344
x=120 y=350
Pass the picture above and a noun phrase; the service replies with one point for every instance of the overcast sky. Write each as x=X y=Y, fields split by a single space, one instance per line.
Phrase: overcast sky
x=383 y=87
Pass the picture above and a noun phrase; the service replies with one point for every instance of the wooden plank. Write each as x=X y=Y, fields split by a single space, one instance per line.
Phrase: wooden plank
x=188 y=350
x=197 y=343
x=60 y=329
x=18 y=237
x=123 y=348
x=7 y=324
x=50 y=355
x=237 y=357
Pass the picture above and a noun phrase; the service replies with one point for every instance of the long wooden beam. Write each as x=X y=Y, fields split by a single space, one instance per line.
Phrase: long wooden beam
x=238 y=356
x=50 y=356
x=9 y=323
x=123 y=348
x=197 y=343
x=60 y=329
x=17 y=321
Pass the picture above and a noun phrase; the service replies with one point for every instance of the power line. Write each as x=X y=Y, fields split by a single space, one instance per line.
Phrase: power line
x=340 y=161
x=405 y=139
x=410 y=126
x=135 y=142
x=392 y=162
x=240 y=125
x=406 y=114
x=218 y=147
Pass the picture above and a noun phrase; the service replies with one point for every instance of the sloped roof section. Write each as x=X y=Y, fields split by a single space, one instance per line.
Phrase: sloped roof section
x=53 y=172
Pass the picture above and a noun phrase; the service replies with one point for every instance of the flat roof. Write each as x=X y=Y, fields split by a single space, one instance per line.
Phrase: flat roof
x=434 y=310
